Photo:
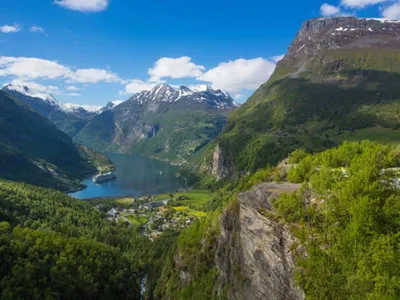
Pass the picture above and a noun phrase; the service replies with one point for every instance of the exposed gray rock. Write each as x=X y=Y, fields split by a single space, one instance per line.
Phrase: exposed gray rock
x=254 y=253
x=219 y=165
x=343 y=33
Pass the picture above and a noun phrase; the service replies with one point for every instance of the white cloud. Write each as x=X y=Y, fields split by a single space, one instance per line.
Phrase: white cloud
x=392 y=12
x=93 y=76
x=37 y=29
x=72 y=88
x=278 y=57
x=36 y=87
x=84 y=5
x=234 y=76
x=10 y=28
x=361 y=3
x=31 y=68
x=328 y=10
x=180 y=67
x=74 y=94
x=136 y=86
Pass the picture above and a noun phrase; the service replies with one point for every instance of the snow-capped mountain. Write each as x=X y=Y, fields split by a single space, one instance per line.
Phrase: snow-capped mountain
x=46 y=105
x=82 y=111
x=110 y=105
x=218 y=99
x=167 y=122
x=19 y=90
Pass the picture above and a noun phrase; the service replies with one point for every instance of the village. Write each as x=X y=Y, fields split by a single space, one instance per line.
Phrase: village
x=155 y=214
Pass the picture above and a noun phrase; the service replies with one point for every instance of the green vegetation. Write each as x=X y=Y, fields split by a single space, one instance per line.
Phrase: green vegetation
x=172 y=134
x=350 y=223
x=102 y=163
x=190 y=202
x=137 y=220
x=35 y=151
x=195 y=198
x=196 y=247
x=52 y=245
x=317 y=109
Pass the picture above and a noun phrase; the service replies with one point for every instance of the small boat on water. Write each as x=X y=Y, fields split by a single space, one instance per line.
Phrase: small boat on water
x=99 y=178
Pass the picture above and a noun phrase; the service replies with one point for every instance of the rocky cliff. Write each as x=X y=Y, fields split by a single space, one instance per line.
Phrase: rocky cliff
x=254 y=251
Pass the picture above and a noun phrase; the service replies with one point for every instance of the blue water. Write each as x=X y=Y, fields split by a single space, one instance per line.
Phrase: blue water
x=136 y=176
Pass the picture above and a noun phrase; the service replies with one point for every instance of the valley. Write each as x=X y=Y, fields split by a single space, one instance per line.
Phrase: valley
x=293 y=194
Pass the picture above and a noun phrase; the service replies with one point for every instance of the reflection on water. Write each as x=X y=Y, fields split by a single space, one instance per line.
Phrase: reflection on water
x=136 y=176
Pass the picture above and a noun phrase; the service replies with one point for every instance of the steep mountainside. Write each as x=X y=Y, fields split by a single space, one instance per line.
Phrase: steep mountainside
x=68 y=120
x=35 y=151
x=165 y=122
x=339 y=80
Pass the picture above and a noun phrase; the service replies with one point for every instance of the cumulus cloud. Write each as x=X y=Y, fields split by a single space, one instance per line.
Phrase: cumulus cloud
x=328 y=10
x=74 y=94
x=278 y=57
x=234 y=76
x=84 y=5
x=35 y=87
x=92 y=76
x=31 y=68
x=180 y=67
x=37 y=29
x=10 y=28
x=361 y=3
x=72 y=88
x=392 y=12
x=28 y=68
x=136 y=86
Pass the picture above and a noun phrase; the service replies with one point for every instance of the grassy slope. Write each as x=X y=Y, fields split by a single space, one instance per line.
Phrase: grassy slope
x=192 y=205
x=343 y=95
x=32 y=150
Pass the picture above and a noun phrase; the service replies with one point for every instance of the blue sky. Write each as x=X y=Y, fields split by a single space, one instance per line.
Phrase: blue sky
x=95 y=51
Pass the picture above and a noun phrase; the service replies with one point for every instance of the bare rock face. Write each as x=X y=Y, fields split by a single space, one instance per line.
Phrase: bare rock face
x=254 y=253
x=342 y=33
x=219 y=167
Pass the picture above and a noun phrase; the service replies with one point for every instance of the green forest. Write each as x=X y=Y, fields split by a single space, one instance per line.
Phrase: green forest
x=53 y=246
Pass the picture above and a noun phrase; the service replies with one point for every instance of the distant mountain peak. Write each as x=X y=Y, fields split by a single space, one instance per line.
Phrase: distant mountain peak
x=195 y=93
x=26 y=91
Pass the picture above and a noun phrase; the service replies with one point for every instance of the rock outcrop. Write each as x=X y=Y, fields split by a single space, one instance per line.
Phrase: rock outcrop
x=254 y=256
x=219 y=165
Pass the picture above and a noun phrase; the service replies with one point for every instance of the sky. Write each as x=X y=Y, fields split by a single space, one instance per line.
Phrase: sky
x=95 y=51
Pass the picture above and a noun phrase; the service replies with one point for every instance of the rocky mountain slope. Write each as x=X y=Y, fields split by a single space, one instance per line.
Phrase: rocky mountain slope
x=68 y=120
x=35 y=151
x=164 y=122
x=338 y=81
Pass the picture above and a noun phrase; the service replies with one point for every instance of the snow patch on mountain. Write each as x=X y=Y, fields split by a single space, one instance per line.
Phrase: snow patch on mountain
x=30 y=93
x=90 y=108
x=195 y=93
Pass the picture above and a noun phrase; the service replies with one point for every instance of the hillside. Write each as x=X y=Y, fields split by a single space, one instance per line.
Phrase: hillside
x=322 y=226
x=67 y=120
x=35 y=151
x=338 y=81
x=53 y=245
x=165 y=122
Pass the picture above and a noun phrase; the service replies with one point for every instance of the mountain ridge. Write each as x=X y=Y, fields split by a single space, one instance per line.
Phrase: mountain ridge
x=164 y=122
x=35 y=151
x=333 y=84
